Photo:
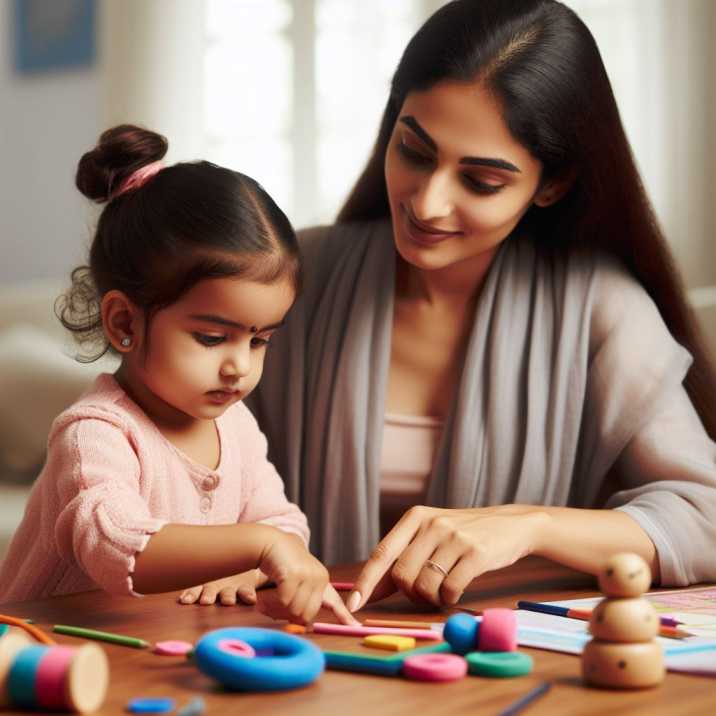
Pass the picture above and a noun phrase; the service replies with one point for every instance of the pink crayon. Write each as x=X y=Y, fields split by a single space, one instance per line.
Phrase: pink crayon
x=323 y=628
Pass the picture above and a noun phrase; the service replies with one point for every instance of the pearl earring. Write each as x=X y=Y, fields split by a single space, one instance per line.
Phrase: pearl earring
x=126 y=342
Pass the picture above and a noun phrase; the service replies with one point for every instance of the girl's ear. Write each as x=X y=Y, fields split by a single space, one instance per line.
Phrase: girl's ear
x=121 y=320
x=554 y=189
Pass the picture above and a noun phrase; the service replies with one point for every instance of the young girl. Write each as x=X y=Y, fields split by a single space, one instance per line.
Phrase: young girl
x=157 y=478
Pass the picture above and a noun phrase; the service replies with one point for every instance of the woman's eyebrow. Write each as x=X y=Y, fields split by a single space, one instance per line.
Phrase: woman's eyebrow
x=495 y=163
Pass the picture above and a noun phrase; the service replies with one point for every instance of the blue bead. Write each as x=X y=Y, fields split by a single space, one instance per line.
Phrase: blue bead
x=23 y=672
x=294 y=662
x=461 y=632
x=150 y=706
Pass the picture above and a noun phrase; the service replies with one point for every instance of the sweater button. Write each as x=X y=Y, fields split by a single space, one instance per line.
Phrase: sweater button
x=205 y=504
x=209 y=483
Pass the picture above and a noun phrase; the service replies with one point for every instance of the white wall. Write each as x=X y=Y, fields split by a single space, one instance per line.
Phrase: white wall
x=46 y=122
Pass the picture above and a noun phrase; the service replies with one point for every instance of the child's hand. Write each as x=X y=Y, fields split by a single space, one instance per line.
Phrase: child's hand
x=300 y=579
x=269 y=604
x=239 y=587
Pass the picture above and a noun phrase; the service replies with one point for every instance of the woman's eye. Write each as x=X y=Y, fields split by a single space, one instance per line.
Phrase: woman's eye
x=481 y=187
x=413 y=155
x=208 y=340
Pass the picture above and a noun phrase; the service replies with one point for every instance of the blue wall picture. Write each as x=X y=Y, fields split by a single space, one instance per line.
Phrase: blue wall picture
x=54 y=34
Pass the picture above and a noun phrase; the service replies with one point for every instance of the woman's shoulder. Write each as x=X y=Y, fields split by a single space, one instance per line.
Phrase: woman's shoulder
x=335 y=238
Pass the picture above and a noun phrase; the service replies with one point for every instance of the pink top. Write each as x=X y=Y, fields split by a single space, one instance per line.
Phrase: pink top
x=111 y=480
x=410 y=444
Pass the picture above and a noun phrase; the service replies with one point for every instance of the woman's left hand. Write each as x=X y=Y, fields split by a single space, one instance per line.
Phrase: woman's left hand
x=433 y=554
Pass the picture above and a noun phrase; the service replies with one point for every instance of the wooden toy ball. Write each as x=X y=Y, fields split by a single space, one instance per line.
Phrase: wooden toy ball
x=624 y=620
x=623 y=666
x=625 y=575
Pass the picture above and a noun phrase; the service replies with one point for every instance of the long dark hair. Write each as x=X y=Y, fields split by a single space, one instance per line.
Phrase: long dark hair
x=188 y=222
x=542 y=62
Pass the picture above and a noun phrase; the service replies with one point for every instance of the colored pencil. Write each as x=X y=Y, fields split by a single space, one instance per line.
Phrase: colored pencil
x=585 y=614
x=34 y=631
x=516 y=706
x=100 y=636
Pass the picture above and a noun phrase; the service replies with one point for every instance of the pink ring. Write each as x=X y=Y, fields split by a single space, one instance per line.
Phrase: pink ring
x=51 y=677
x=173 y=647
x=236 y=647
x=498 y=630
x=435 y=667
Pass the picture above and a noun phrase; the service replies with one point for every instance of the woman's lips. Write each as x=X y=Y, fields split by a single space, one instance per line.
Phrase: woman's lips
x=423 y=233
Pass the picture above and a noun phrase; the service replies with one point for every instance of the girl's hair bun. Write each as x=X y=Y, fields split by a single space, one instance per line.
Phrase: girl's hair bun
x=120 y=152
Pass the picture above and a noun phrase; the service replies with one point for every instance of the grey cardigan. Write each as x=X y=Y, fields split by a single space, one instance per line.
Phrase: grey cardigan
x=570 y=375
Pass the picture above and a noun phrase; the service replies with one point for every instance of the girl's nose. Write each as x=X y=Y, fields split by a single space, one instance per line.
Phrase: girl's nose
x=239 y=363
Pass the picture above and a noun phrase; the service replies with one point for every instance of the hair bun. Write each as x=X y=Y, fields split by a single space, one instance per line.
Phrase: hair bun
x=118 y=154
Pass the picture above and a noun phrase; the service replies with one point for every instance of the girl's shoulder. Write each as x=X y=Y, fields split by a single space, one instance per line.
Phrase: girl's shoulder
x=104 y=400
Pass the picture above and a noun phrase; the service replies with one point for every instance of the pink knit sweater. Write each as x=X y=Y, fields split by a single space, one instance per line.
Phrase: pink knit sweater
x=111 y=480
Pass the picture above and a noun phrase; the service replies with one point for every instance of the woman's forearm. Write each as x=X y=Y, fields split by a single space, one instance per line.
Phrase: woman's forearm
x=181 y=556
x=583 y=539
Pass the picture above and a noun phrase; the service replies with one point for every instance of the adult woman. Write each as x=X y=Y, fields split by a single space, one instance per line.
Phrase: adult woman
x=526 y=303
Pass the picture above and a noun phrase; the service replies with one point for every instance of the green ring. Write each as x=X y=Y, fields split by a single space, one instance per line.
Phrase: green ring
x=502 y=664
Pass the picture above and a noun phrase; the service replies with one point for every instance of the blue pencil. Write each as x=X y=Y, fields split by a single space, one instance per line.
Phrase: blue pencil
x=564 y=611
x=517 y=706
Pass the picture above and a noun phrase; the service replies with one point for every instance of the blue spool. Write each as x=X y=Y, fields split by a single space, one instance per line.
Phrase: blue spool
x=461 y=632
x=22 y=676
x=295 y=661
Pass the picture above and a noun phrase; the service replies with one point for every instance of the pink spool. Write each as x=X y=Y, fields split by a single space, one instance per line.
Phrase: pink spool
x=435 y=667
x=236 y=647
x=50 y=689
x=498 y=630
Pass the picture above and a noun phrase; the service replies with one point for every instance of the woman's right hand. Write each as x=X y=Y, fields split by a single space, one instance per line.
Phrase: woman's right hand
x=301 y=582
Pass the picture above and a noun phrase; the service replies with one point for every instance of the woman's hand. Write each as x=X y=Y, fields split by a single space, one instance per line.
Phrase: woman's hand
x=301 y=581
x=433 y=554
x=230 y=590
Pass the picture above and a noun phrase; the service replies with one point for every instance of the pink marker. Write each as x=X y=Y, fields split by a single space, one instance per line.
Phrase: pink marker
x=323 y=628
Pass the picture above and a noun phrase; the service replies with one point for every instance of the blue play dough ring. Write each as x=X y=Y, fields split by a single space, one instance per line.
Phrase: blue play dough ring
x=23 y=672
x=461 y=631
x=3 y=629
x=295 y=661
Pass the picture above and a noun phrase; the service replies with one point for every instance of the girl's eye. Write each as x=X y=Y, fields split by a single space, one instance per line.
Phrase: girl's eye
x=413 y=155
x=208 y=340
x=481 y=187
x=257 y=342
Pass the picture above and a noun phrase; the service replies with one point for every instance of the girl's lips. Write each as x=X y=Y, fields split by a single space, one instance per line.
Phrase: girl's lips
x=222 y=396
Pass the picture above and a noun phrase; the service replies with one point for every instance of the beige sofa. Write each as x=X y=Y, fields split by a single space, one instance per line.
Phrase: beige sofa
x=38 y=379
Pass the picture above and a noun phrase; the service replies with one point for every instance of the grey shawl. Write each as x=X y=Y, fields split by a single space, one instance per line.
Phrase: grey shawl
x=535 y=419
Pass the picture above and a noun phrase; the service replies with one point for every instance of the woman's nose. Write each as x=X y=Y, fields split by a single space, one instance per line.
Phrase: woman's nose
x=432 y=198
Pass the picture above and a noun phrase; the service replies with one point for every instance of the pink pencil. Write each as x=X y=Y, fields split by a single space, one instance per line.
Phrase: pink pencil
x=323 y=628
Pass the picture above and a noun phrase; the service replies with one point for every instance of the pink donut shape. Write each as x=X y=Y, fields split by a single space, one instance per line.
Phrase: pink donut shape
x=236 y=647
x=51 y=676
x=498 y=630
x=435 y=667
x=173 y=647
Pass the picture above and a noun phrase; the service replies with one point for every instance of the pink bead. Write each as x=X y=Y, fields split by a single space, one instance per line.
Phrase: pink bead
x=173 y=648
x=236 y=647
x=435 y=667
x=51 y=676
x=498 y=630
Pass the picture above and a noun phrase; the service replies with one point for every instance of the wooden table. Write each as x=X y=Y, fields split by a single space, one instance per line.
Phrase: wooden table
x=158 y=617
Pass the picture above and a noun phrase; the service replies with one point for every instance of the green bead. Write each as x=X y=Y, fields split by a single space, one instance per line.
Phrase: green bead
x=502 y=664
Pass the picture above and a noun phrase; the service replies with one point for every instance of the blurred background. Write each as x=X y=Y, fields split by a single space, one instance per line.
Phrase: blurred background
x=290 y=92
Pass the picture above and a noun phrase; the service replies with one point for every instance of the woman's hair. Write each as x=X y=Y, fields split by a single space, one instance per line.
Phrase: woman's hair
x=161 y=233
x=542 y=63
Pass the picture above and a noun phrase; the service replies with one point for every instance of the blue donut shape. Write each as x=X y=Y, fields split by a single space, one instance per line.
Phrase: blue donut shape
x=294 y=662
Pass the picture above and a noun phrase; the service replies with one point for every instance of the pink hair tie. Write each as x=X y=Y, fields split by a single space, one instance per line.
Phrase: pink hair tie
x=138 y=178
